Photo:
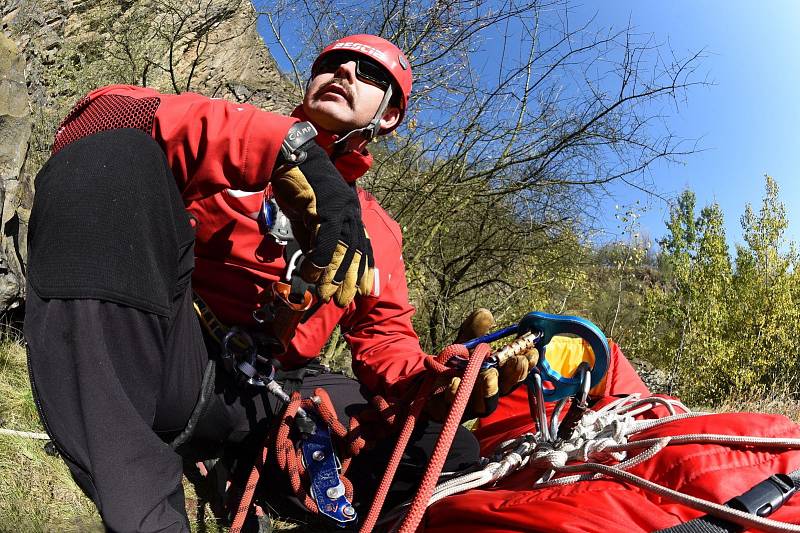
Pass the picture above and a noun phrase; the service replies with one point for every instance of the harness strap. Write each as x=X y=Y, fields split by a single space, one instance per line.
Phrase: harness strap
x=216 y=329
x=712 y=524
x=704 y=524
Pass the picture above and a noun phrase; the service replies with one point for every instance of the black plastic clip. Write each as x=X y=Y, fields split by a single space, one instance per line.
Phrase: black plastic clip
x=297 y=137
x=766 y=497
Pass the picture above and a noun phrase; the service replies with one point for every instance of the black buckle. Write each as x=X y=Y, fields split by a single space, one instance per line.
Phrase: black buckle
x=766 y=497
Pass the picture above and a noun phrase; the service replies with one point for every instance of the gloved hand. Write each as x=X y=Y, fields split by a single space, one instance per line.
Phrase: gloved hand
x=326 y=221
x=491 y=383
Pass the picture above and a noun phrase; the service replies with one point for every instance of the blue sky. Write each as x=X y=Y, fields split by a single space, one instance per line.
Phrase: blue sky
x=747 y=121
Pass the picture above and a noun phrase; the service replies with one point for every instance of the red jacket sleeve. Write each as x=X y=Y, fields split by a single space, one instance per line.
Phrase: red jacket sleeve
x=210 y=144
x=385 y=349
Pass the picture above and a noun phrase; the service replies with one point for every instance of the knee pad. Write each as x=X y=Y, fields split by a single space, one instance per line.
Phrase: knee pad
x=108 y=223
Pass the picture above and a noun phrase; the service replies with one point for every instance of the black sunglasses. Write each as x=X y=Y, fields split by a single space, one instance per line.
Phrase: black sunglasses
x=366 y=69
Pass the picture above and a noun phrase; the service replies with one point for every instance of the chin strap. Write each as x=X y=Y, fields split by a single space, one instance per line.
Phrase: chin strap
x=355 y=140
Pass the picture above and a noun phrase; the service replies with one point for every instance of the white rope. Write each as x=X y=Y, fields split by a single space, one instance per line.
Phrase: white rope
x=25 y=434
x=643 y=405
x=602 y=436
x=512 y=461
x=746 y=520
x=643 y=425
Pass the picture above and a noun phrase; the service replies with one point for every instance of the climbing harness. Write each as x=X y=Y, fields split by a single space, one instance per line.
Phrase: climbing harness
x=242 y=356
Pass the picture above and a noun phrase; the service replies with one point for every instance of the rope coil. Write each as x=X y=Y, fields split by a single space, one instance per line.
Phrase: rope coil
x=603 y=436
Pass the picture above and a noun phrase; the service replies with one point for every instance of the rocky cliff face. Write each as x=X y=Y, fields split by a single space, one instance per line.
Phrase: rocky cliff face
x=54 y=51
x=15 y=132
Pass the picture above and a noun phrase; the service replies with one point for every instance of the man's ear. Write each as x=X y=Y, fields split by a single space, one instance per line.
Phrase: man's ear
x=390 y=118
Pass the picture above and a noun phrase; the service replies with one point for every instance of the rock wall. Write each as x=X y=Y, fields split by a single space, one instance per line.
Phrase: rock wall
x=54 y=51
x=15 y=132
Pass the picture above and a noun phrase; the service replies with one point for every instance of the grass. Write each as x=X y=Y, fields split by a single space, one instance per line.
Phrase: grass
x=37 y=493
x=781 y=401
x=36 y=490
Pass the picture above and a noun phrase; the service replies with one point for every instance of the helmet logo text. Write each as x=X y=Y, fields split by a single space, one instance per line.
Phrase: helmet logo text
x=363 y=48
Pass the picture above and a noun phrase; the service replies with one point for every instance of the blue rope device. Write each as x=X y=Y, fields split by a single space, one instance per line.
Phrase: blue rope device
x=548 y=326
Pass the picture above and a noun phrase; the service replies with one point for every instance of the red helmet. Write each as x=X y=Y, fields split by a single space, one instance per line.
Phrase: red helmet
x=391 y=57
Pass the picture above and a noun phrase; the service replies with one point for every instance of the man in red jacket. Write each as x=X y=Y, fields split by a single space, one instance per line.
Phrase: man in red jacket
x=148 y=197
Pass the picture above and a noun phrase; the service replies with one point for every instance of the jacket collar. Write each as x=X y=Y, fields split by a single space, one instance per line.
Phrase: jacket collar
x=351 y=164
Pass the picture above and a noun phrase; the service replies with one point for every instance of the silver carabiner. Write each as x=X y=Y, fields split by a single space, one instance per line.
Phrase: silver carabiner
x=584 y=373
x=536 y=404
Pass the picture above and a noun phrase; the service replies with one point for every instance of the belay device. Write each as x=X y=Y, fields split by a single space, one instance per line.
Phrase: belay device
x=544 y=327
x=545 y=383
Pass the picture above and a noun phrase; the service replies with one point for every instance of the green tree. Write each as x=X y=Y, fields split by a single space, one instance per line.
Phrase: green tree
x=685 y=318
x=725 y=330
x=671 y=306
x=766 y=315
x=710 y=350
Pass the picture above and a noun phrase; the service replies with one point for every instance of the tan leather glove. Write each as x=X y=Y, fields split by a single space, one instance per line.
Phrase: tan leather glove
x=325 y=214
x=491 y=383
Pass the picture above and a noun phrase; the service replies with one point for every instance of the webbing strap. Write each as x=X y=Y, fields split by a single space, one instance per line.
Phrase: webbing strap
x=209 y=320
x=711 y=524
x=704 y=524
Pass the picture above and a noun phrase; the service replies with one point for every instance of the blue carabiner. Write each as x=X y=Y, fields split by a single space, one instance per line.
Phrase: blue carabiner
x=551 y=325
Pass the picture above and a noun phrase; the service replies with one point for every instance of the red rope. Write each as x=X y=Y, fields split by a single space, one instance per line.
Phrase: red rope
x=249 y=490
x=402 y=440
x=351 y=442
x=420 y=502
x=436 y=367
x=289 y=459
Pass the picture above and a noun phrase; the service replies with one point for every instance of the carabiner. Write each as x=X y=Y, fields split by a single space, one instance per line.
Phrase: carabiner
x=536 y=404
x=585 y=376
x=241 y=358
x=273 y=222
x=580 y=403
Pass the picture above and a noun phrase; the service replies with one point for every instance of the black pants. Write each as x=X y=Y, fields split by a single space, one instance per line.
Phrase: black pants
x=116 y=354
